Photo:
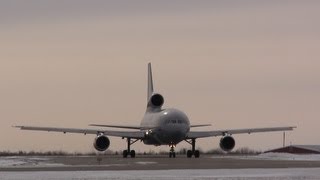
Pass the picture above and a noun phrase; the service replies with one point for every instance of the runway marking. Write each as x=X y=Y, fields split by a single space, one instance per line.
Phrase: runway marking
x=145 y=162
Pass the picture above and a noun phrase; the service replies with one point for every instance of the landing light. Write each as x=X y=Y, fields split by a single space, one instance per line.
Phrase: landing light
x=148 y=132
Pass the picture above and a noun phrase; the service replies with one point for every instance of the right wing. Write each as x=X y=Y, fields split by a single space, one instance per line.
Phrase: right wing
x=123 y=134
x=202 y=134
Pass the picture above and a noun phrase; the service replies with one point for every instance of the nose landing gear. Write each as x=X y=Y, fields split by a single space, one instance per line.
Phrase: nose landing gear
x=172 y=153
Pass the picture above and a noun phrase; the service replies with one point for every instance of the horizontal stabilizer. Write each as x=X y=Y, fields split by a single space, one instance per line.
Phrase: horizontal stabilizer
x=200 y=125
x=119 y=126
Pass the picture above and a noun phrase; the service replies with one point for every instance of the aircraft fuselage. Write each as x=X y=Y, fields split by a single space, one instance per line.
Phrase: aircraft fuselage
x=166 y=126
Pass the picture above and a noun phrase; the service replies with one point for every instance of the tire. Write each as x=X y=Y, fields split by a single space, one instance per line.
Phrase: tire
x=196 y=153
x=133 y=154
x=170 y=154
x=125 y=153
x=174 y=155
x=189 y=153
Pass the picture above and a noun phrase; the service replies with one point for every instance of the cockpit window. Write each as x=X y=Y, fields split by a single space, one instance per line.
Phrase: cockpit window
x=175 y=121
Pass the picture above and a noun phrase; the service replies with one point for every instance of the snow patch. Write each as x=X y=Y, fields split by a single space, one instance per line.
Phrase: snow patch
x=10 y=162
x=287 y=156
x=18 y=161
x=277 y=156
x=146 y=162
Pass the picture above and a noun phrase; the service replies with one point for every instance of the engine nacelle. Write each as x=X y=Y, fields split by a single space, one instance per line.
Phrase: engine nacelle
x=227 y=143
x=101 y=143
x=156 y=100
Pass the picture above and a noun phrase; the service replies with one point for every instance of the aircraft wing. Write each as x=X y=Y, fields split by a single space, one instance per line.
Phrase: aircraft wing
x=202 y=134
x=124 y=134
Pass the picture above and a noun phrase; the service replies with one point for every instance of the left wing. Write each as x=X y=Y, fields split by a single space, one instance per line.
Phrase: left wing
x=202 y=134
x=124 y=134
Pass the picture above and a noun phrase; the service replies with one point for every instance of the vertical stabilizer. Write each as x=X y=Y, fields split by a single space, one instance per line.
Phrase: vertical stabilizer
x=150 y=82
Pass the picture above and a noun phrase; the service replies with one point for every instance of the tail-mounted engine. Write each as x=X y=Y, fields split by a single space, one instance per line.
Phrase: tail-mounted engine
x=227 y=143
x=156 y=100
x=101 y=143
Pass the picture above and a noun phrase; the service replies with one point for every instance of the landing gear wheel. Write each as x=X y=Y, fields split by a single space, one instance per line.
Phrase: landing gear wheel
x=132 y=154
x=129 y=152
x=196 y=153
x=189 y=153
x=125 y=153
x=193 y=151
x=172 y=154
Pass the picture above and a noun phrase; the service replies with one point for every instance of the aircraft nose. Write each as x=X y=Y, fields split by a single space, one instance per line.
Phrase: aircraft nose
x=175 y=134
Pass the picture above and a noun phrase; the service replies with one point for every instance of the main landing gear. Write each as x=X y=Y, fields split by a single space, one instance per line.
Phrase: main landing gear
x=129 y=152
x=194 y=152
x=172 y=154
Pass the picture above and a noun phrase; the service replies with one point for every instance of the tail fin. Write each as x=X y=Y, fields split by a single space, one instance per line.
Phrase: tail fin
x=150 y=82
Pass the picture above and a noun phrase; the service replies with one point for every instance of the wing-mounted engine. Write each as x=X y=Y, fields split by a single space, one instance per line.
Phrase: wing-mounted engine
x=156 y=101
x=227 y=143
x=101 y=143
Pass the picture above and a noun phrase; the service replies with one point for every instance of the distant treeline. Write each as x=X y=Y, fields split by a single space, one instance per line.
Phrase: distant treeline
x=239 y=151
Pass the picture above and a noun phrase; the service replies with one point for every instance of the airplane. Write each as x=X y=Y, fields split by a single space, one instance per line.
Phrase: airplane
x=159 y=126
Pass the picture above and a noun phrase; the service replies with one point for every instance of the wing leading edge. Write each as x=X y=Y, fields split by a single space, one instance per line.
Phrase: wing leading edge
x=203 y=134
x=124 y=134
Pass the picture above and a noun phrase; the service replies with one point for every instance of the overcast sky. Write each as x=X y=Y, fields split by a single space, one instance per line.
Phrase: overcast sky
x=234 y=64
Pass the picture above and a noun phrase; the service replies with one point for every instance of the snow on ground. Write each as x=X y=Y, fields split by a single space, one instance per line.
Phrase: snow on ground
x=288 y=156
x=5 y=162
x=279 y=156
x=15 y=161
x=187 y=174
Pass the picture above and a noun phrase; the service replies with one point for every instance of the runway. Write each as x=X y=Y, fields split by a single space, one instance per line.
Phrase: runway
x=194 y=174
x=143 y=162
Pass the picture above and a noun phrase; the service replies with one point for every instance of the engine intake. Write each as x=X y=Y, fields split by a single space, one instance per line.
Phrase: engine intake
x=101 y=143
x=227 y=143
x=156 y=100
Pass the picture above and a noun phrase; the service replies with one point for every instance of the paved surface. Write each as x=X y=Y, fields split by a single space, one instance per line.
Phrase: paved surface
x=91 y=163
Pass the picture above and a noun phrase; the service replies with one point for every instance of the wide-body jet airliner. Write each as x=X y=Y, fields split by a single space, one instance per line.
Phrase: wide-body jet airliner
x=158 y=127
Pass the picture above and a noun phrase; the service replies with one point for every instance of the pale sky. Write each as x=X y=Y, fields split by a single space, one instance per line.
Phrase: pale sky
x=234 y=64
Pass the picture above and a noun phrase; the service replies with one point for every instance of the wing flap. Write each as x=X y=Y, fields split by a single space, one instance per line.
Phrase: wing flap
x=202 y=134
